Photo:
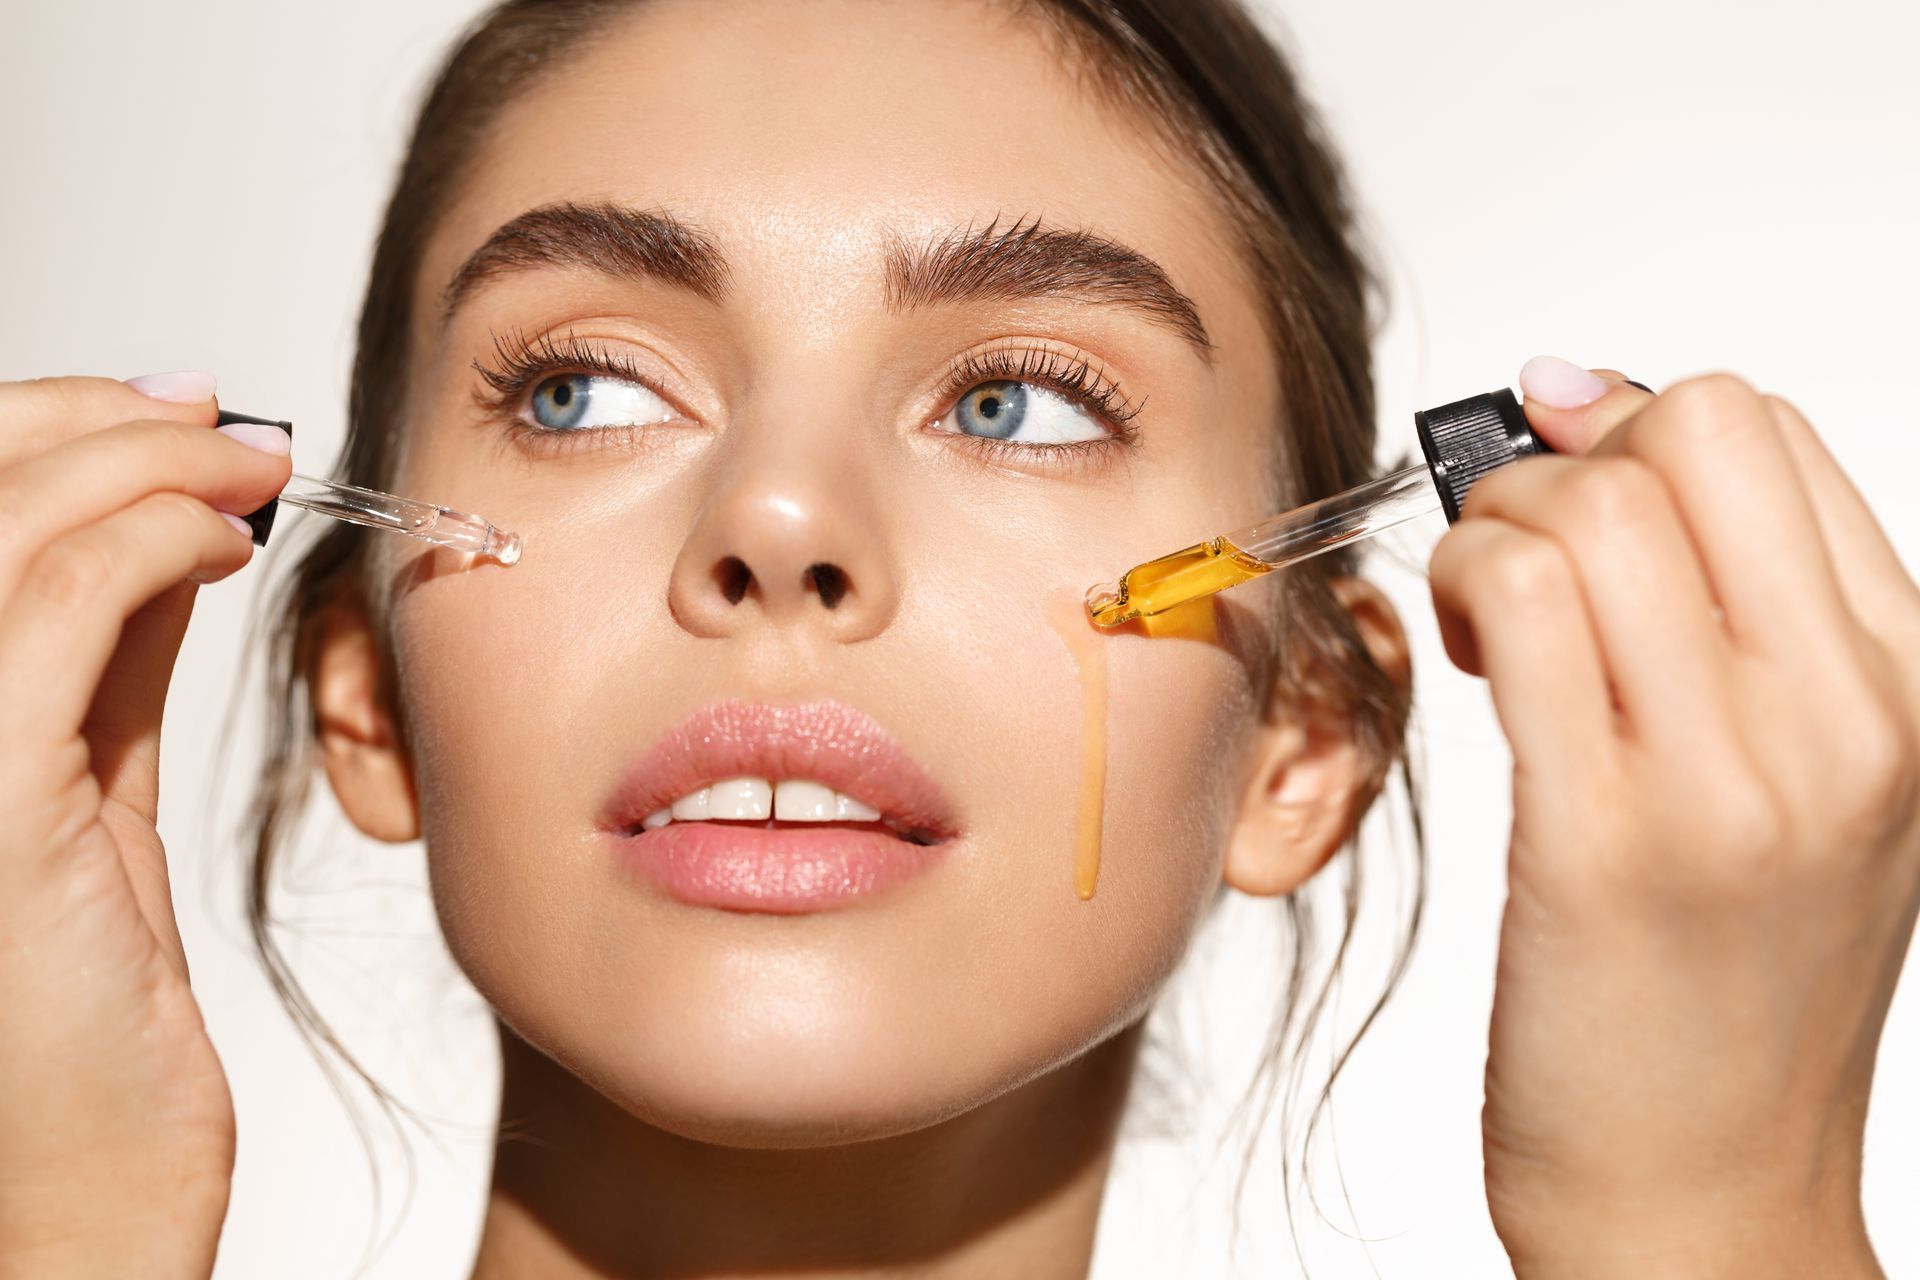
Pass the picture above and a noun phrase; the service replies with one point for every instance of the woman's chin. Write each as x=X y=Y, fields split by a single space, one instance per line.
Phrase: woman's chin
x=791 y=1095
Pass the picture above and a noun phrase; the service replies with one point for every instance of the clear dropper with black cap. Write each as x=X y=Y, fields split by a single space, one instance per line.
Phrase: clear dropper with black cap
x=428 y=521
x=1462 y=441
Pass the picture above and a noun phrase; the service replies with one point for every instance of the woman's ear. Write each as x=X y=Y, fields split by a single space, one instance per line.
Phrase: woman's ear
x=1314 y=770
x=359 y=741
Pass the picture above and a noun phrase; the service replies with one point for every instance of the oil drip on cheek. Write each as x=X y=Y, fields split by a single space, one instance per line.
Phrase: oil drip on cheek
x=1191 y=620
x=1067 y=614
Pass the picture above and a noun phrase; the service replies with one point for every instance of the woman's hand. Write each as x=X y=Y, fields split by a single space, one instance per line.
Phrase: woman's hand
x=116 y=1125
x=1706 y=656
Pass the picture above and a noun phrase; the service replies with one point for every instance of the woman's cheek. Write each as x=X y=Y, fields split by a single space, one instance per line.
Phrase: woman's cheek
x=1179 y=715
x=490 y=664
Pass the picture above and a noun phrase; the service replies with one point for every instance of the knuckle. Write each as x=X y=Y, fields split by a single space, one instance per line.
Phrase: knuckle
x=1713 y=411
x=1878 y=778
x=1781 y=406
x=181 y=510
x=1718 y=386
x=172 y=444
x=1488 y=491
x=1608 y=493
x=1524 y=571
x=1504 y=488
x=72 y=572
x=1737 y=831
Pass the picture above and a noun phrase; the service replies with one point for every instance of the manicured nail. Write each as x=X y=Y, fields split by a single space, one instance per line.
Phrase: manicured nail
x=1560 y=385
x=263 y=436
x=188 y=386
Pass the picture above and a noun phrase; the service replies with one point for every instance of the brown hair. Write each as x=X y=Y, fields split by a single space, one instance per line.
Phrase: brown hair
x=1224 y=97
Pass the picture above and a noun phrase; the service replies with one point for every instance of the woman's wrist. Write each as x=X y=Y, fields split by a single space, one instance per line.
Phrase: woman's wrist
x=168 y=1229
x=1656 y=1235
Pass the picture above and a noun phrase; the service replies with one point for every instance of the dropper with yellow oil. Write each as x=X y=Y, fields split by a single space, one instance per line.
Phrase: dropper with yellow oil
x=1462 y=441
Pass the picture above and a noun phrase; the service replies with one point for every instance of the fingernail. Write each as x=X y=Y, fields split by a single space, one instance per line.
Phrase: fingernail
x=238 y=523
x=1559 y=384
x=258 y=435
x=188 y=386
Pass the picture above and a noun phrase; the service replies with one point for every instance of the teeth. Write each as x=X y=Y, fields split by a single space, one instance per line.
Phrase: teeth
x=752 y=799
x=797 y=800
x=740 y=798
x=847 y=809
x=691 y=808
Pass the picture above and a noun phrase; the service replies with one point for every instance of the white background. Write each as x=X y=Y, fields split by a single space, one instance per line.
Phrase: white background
x=1664 y=187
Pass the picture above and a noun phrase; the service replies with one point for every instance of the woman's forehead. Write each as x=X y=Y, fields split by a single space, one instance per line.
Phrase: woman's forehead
x=807 y=140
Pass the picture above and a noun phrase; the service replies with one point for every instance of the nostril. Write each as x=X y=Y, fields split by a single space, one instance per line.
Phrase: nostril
x=830 y=581
x=733 y=577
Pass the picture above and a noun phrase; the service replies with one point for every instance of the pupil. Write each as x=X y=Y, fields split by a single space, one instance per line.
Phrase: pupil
x=562 y=394
x=990 y=406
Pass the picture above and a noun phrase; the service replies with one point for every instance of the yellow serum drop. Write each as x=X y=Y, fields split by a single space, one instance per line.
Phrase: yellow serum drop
x=1068 y=616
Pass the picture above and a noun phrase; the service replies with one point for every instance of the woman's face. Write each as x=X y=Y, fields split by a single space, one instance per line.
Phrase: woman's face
x=804 y=415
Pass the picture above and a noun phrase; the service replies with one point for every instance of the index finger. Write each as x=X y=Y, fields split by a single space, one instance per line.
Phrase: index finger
x=39 y=413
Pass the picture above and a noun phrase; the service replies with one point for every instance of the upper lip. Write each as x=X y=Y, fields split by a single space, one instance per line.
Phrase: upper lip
x=827 y=741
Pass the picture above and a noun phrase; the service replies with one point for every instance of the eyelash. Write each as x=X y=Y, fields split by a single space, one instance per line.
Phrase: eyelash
x=524 y=362
x=1072 y=376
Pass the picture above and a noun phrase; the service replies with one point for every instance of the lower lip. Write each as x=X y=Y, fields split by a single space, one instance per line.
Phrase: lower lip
x=788 y=870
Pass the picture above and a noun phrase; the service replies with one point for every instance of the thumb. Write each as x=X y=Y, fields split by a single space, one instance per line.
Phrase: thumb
x=1573 y=409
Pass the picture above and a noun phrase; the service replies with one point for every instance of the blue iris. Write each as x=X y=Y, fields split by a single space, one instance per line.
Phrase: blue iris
x=560 y=403
x=996 y=408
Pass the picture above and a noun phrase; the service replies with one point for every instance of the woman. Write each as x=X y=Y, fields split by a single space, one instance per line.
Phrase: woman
x=818 y=352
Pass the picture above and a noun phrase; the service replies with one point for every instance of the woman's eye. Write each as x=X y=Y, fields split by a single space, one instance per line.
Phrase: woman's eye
x=578 y=401
x=1025 y=414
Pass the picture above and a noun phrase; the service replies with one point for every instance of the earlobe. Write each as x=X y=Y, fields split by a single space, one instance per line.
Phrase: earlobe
x=1299 y=806
x=1313 y=776
x=365 y=759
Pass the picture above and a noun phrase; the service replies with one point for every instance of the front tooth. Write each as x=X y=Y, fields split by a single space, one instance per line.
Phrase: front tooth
x=656 y=820
x=850 y=810
x=740 y=798
x=691 y=808
x=799 y=800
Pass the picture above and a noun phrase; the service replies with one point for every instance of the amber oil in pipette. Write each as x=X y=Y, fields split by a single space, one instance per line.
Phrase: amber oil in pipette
x=1188 y=574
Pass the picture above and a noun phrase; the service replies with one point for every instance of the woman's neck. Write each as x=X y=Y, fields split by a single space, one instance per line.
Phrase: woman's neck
x=1012 y=1187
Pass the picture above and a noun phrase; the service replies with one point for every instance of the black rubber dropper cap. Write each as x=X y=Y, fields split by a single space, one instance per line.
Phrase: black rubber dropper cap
x=261 y=521
x=1465 y=440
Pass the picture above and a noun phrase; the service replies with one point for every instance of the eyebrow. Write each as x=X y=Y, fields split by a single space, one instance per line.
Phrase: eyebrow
x=610 y=239
x=1024 y=261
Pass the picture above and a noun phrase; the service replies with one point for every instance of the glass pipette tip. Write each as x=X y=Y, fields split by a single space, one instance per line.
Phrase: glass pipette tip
x=439 y=525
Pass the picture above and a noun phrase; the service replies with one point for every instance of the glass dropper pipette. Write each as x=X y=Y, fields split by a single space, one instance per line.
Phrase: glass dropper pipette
x=1218 y=563
x=1462 y=441
x=427 y=521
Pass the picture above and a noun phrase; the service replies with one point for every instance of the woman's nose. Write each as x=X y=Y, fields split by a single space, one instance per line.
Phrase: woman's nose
x=785 y=550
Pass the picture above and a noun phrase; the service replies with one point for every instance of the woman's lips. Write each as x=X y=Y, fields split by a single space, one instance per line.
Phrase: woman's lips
x=787 y=870
x=768 y=865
